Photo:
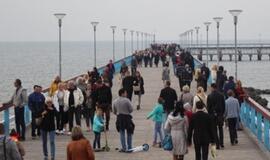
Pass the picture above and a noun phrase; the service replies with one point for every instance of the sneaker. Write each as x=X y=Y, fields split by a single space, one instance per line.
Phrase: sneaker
x=236 y=141
x=138 y=107
x=61 y=132
x=122 y=151
x=57 y=132
x=68 y=133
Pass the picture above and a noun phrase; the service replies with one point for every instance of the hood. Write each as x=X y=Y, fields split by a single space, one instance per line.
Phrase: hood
x=176 y=119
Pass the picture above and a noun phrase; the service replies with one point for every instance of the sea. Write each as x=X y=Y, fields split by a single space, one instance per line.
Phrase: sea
x=37 y=63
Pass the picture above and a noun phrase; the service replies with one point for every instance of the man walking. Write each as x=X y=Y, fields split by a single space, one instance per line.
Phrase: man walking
x=216 y=108
x=170 y=97
x=232 y=112
x=202 y=132
x=122 y=108
x=36 y=102
x=19 y=100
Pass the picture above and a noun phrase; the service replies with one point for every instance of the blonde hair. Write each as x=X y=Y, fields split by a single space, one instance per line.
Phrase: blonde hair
x=214 y=67
x=77 y=133
x=200 y=90
x=186 y=88
x=238 y=83
x=48 y=99
x=197 y=73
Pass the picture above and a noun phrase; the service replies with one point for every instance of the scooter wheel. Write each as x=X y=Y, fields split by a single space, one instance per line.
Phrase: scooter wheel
x=145 y=147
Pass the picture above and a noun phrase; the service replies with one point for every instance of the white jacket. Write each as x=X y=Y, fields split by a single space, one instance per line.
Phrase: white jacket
x=78 y=98
x=56 y=102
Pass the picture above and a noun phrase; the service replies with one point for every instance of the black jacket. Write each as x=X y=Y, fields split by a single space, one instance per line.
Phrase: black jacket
x=216 y=104
x=48 y=122
x=170 y=97
x=201 y=129
x=104 y=95
x=128 y=83
x=124 y=122
x=139 y=81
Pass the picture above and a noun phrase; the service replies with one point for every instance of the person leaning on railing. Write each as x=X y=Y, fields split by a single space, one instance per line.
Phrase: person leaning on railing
x=19 y=100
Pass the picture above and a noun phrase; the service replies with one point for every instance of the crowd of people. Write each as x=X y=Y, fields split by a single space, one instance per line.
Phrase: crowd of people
x=90 y=96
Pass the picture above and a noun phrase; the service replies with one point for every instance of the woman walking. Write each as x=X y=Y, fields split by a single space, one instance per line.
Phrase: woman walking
x=138 y=88
x=47 y=127
x=177 y=125
x=61 y=114
x=200 y=96
x=166 y=73
x=79 y=148
x=89 y=110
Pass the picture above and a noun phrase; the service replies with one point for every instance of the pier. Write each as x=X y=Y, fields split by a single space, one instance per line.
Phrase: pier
x=253 y=141
x=226 y=51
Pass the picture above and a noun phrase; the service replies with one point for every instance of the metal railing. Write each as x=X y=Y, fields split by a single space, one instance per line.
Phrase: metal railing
x=257 y=119
x=27 y=113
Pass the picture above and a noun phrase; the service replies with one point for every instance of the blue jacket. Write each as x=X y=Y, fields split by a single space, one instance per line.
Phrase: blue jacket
x=157 y=113
x=36 y=102
x=98 y=124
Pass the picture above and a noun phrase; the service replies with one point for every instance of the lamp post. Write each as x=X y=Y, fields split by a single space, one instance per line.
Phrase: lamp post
x=235 y=13
x=125 y=51
x=60 y=16
x=131 y=32
x=142 y=40
x=94 y=24
x=218 y=20
x=191 y=39
x=207 y=24
x=197 y=37
x=145 y=39
x=113 y=31
x=154 y=38
x=137 y=32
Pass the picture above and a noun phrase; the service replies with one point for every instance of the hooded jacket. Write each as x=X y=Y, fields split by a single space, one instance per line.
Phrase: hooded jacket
x=12 y=152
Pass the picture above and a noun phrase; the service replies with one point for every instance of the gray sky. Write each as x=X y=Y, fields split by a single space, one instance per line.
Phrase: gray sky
x=33 y=20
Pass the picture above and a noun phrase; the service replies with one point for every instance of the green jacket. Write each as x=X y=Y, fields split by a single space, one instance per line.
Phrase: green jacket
x=157 y=113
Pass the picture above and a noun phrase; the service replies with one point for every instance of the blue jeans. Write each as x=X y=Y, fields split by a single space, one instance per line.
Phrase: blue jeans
x=44 y=135
x=123 y=140
x=158 y=131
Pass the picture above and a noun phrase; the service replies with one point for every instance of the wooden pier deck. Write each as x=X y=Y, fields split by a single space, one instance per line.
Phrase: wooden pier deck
x=245 y=150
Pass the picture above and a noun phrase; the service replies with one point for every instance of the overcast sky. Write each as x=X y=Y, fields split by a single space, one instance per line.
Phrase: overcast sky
x=33 y=20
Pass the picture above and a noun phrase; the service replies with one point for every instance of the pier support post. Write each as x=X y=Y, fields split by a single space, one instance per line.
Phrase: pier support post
x=230 y=55
x=200 y=56
x=239 y=56
x=220 y=56
x=211 y=57
x=250 y=57
x=259 y=54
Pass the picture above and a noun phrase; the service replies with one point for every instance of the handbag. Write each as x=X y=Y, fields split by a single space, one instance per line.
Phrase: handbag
x=167 y=143
x=38 y=121
x=136 y=88
x=213 y=151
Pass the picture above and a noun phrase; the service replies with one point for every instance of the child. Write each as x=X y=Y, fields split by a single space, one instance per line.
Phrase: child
x=157 y=117
x=98 y=127
x=188 y=111
x=15 y=137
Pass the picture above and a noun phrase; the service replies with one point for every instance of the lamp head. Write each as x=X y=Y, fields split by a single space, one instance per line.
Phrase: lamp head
x=217 y=19
x=124 y=30
x=197 y=28
x=207 y=24
x=59 y=15
x=94 y=24
x=113 y=27
x=235 y=12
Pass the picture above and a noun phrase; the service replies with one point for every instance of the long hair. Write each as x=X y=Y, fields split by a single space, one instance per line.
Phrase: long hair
x=179 y=109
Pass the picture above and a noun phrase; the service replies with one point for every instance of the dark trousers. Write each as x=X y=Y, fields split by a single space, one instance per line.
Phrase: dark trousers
x=218 y=128
x=129 y=94
x=201 y=151
x=96 y=140
x=19 y=121
x=181 y=83
x=89 y=116
x=133 y=71
x=71 y=112
x=232 y=129
x=34 y=126
x=60 y=118
x=107 y=111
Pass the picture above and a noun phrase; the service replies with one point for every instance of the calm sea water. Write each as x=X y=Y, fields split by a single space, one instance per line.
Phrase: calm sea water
x=37 y=63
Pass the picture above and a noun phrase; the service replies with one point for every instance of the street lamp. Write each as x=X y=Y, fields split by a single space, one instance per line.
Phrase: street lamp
x=125 y=51
x=235 y=14
x=113 y=31
x=218 y=20
x=94 y=24
x=191 y=39
x=145 y=39
x=142 y=40
x=207 y=24
x=60 y=16
x=131 y=32
x=137 y=32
